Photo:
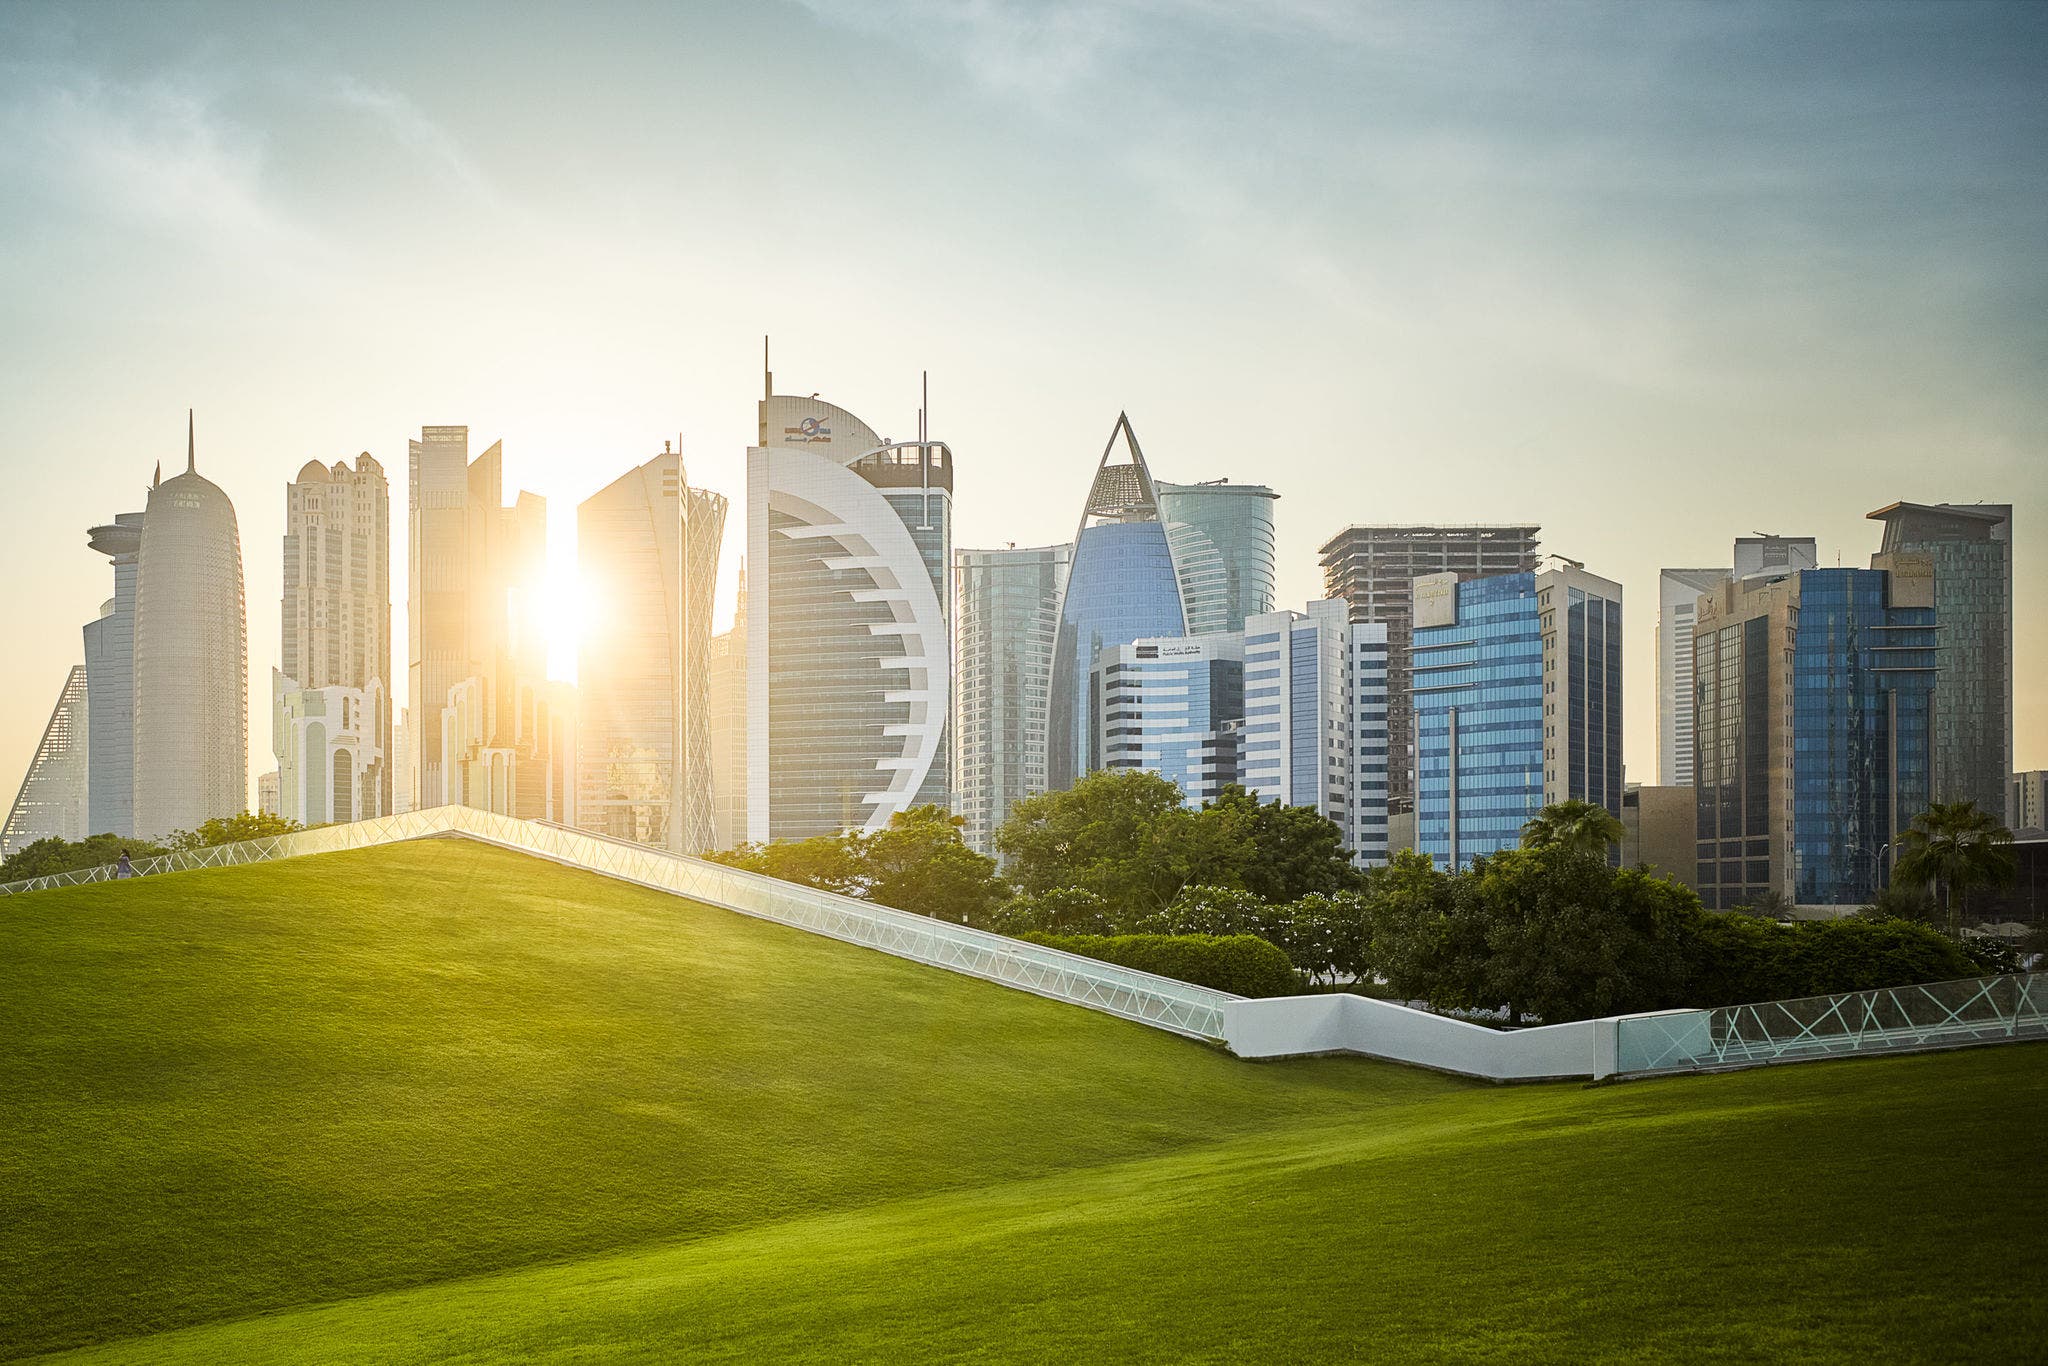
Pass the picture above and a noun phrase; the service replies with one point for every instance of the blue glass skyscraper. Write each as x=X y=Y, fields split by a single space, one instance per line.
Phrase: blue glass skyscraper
x=1122 y=586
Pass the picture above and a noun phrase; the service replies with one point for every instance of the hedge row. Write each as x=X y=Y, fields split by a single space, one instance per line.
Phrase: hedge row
x=1739 y=959
x=1237 y=963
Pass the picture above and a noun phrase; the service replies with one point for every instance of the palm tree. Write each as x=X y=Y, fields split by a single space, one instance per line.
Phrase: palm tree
x=1581 y=827
x=1953 y=847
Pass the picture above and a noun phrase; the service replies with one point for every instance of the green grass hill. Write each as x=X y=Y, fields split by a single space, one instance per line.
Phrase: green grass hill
x=440 y=1102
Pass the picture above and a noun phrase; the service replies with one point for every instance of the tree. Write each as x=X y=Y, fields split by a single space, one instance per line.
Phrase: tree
x=1582 y=827
x=1061 y=911
x=1124 y=835
x=47 y=856
x=1295 y=851
x=246 y=825
x=829 y=863
x=1411 y=935
x=1955 y=848
x=1770 y=904
x=920 y=863
x=1900 y=902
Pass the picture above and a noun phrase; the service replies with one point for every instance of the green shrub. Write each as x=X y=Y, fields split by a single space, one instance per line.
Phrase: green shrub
x=1738 y=959
x=1241 y=964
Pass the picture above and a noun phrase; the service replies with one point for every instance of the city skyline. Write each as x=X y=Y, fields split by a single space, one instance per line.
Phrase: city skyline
x=1678 y=374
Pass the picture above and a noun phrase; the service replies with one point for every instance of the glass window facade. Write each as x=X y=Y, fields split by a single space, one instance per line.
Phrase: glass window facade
x=1478 y=689
x=1223 y=545
x=1170 y=706
x=1121 y=588
x=1006 y=610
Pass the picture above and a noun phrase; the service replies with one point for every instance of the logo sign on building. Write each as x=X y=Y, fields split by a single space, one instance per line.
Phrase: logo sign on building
x=808 y=430
x=1435 y=600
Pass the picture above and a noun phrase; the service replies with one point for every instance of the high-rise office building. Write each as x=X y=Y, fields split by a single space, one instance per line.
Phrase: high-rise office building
x=1006 y=610
x=1121 y=587
x=53 y=801
x=110 y=690
x=330 y=695
x=1814 y=693
x=648 y=555
x=1516 y=683
x=1315 y=727
x=1372 y=568
x=191 y=658
x=1172 y=706
x=404 y=783
x=1224 y=550
x=486 y=724
x=726 y=674
x=270 y=793
x=1678 y=593
x=2030 y=800
x=849 y=633
x=1970 y=545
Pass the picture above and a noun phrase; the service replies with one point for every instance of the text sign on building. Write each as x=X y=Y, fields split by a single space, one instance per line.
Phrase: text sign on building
x=1435 y=600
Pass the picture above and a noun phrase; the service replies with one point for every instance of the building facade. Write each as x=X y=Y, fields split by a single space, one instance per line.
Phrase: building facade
x=1122 y=586
x=437 y=596
x=2029 y=800
x=1970 y=546
x=648 y=554
x=726 y=674
x=1678 y=593
x=1315 y=729
x=1173 y=706
x=1372 y=568
x=191 y=709
x=1518 y=701
x=849 y=634
x=335 y=646
x=1006 y=612
x=1658 y=831
x=110 y=690
x=54 y=799
x=1223 y=549
x=1813 y=730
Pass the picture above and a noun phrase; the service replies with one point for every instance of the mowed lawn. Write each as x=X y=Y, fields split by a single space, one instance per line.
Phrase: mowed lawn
x=442 y=1102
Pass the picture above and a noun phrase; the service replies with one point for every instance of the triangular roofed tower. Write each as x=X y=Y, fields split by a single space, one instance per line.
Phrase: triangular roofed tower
x=1123 y=491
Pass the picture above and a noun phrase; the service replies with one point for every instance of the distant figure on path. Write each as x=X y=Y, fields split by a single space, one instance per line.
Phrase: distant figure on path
x=122 y=869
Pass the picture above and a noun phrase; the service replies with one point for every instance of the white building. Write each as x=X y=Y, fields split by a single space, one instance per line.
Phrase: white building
x=191 y=658
x=1315 y=727
x=1172 y=706
x=53 y=800
x=330 y=699
x=849 y=639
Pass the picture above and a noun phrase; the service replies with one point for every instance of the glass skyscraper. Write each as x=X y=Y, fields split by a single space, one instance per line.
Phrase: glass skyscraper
x=1517 y=701
x=110 y=690
x=1170 y=706
x=848 y=636
x=1122 y=587
x=1813 y=730
x=1971 y=549
x=1223 y=548
x=1006 y=610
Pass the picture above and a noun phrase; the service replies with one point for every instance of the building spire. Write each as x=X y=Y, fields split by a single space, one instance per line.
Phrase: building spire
x=158 y=477
x=191 y=451
x=767 y=375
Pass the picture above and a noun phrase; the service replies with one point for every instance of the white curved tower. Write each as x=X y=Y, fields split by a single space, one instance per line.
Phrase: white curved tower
x=849 y=668
x=191 y=658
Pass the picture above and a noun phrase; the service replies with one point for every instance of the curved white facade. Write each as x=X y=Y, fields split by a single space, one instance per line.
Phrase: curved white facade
x=191 y=660
x=848 y=635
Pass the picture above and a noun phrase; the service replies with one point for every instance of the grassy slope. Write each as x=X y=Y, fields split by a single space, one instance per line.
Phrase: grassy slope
x=382 y=1092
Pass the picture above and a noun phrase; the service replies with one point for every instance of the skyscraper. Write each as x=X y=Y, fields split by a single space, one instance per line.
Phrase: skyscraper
x=1372 y=568
x=1122 y=587
x=648 y=555
x=191 y=658
x=1173 y=706
x=1315 y=729
x=110 y=689
x=1223 y=548
x=1970 y=546
x=1516 y=683
x=1814 y=693
x=726 y=676
x=53 y=802
x=331 y=700
x=1678 y=592
x=849 y=639
x=486 y=724
x=1006 y=611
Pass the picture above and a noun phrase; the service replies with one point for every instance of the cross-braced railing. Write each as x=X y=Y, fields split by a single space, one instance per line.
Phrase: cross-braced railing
x=1162 y=1002
x=1890 y=1020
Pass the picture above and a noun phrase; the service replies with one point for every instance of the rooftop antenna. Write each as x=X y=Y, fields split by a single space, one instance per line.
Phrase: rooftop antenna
x=191 y=450
x=767 y=375
x=924 y=450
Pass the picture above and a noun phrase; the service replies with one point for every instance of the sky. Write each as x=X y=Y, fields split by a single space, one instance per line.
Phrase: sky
x=1652 y=276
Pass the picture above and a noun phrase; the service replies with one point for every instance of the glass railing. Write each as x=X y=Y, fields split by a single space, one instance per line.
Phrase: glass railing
x=1163 y=1002
x=1890 y=1020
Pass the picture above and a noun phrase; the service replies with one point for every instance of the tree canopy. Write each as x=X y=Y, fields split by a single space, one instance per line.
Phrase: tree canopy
x=46 y=856
x=1955 y=848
